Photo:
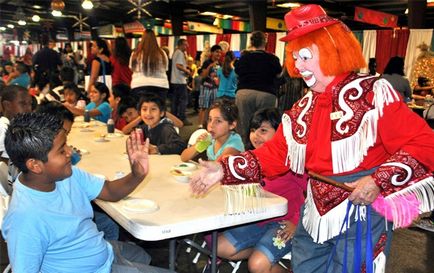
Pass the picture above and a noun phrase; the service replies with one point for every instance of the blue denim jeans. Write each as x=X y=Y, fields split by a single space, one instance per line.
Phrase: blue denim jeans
x=105 y=224
x=179 y=100
x=259 y=237
x=309 y=257
x=129 y=258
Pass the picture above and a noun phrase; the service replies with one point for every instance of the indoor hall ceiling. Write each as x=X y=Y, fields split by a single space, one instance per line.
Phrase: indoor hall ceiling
x=116 y=12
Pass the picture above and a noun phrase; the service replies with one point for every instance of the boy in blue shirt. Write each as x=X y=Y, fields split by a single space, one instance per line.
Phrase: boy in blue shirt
x=48 y=227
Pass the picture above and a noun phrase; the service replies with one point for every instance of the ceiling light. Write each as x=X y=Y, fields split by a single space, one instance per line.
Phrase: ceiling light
x=2 y=28
x=37 y=7
x=56 y=13
x=87 y=4
x=288 y=5
x=22 y=22
x=406 y=11
x=208 y=13
x=36 y=18
x=10 y=26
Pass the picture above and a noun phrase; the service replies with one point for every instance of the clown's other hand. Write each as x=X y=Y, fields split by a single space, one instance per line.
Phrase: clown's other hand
x=210 y=174
x=365 y=191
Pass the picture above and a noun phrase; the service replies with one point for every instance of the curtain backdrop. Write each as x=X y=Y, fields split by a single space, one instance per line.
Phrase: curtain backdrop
x=390 y=43
x=369 y=46
x=417 y=36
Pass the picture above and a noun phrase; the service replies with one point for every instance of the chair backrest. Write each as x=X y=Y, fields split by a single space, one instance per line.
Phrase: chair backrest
x=195 y=135
x=4 y=195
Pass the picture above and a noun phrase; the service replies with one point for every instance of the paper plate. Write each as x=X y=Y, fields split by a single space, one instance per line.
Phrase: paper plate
x=137 y=205
x=101 y=140
x=186 y=166
x=87 y=130
x=83 y=151
x=114 y=135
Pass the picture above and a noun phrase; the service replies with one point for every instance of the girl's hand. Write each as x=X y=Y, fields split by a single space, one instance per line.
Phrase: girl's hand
x=138 y=153
x=202 y=137
x=287 y=231
x=210 y=174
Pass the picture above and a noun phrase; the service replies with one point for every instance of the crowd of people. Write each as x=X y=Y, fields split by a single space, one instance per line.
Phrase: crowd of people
x=236 y=101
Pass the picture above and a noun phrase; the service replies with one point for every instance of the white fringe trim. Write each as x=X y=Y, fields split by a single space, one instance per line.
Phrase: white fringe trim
x=348 y=153
x=327 y=226
x=296 y=151
x=243 y=198
x=424 y=193
x=380 y=263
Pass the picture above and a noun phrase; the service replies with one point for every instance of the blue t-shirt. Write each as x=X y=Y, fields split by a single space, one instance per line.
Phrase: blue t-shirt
x=234 y=141
x=22 y=80
x=104 y=108
x=53 y=231
x=227 y=86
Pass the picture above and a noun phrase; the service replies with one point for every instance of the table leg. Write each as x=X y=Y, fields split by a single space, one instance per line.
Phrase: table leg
x=172 y=250
x=214 y=253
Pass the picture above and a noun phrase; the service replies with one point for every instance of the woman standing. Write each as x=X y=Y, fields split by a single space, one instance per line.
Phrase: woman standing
x=149 y=64
x=120 y=59
x=101 y=65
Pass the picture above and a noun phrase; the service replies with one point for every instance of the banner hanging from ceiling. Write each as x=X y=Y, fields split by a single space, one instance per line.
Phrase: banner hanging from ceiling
x=373 y=17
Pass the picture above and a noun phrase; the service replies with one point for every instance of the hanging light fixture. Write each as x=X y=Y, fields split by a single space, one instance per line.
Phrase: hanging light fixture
x=36 y=18
x=87 y=4
x=20 y=17
x=57 y=5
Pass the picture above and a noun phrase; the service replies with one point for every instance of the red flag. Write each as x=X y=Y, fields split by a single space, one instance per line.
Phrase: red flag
x=375 y=17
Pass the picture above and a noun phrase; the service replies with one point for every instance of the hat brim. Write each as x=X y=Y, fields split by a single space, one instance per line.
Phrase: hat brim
x=305 y=30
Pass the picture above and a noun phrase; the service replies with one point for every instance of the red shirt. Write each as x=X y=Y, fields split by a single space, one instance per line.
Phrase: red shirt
x=120 y=73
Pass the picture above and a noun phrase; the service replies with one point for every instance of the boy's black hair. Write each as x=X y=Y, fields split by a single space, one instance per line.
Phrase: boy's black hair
x=271 y=115
x=121 y=90
x=73 y=87
x=10 y=92
x=151 y=98
x=125 y=103
x=55 y=108
x=215 y=48
x=31 y=135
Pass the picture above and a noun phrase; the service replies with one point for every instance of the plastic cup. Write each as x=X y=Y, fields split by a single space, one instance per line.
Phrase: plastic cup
x=202 y=145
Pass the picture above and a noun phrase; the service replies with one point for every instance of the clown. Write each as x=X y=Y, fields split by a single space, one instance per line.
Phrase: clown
x=349 y=128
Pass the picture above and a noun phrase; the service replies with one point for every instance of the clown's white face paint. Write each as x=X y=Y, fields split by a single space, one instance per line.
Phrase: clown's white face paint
x=307 y=62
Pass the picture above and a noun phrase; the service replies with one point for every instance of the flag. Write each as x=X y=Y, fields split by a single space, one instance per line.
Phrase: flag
x=375 y=17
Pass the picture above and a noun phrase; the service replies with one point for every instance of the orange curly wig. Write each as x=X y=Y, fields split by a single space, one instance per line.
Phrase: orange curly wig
x=340 y=51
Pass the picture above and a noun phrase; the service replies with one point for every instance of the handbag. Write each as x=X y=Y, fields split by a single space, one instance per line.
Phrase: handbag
x=106 y=79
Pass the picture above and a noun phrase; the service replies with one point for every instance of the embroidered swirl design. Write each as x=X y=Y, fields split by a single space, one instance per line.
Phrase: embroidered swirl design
x=349 y=114
x=394 y=178
x=305 y=102
x=231 y=163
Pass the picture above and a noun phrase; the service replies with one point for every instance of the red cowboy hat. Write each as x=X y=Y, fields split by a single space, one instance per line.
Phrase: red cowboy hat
x=305 y=19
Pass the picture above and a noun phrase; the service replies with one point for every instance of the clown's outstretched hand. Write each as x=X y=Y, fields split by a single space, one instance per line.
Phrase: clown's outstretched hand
x=210 y=174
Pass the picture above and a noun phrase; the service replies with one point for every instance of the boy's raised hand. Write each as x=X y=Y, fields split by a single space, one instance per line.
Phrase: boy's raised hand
x=138 y=153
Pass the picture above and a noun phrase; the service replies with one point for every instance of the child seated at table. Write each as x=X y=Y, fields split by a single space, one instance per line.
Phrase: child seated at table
x=98 y=108
x=48 y=227
x=72 y=94
x=127 y=109
x=221 y=137
x=265 y=243
x=103 y=222
x=162 y=135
